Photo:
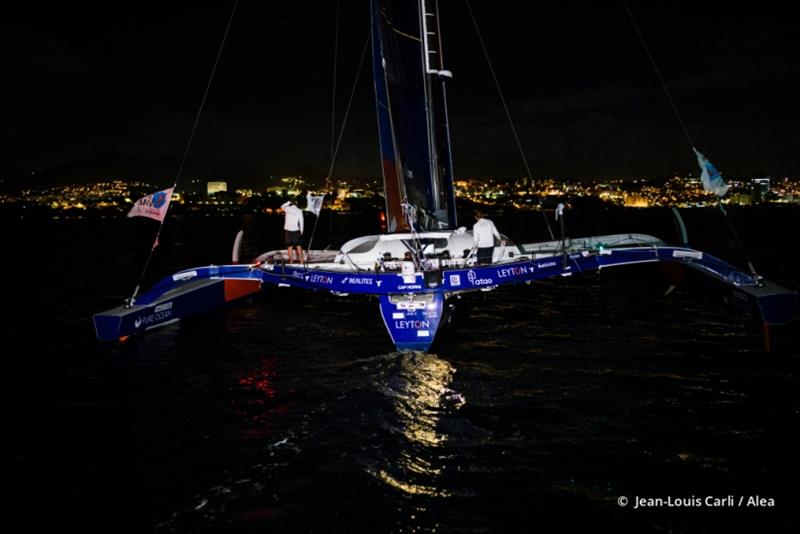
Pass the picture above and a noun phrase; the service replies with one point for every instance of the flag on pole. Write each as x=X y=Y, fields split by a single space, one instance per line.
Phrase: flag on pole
x=712 y=181
x=153 y=206
x=314 y=203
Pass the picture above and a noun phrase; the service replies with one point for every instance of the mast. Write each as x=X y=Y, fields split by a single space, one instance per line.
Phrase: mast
x=444 y=204
x=412 y=115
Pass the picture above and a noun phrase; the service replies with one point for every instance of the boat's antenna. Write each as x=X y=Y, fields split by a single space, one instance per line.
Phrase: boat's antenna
x=688 y=137
x=185 y=151
x=508 y=113
x=335 y=149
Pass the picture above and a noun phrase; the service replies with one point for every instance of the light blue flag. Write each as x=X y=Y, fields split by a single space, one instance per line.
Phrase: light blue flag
x=712 y=180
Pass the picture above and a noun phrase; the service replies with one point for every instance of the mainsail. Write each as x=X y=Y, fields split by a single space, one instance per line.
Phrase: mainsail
x=412 y=116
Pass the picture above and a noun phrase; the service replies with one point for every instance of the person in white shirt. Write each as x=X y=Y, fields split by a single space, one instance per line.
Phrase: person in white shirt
x=483 y=234
x=293 y=230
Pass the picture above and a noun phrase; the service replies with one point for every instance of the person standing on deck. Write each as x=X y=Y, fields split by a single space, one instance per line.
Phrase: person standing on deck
x=293 y=230
x=483 y=233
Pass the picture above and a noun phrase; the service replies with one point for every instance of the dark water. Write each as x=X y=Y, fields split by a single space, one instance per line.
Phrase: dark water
x=539 y=407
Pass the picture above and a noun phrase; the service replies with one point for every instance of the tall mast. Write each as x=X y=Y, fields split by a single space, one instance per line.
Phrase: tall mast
x=443 y=191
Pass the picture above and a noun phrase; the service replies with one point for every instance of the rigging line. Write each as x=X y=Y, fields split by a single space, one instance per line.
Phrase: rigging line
x=688 y=137
x=738 y=242
x=333 y=98
x=344 y=123
x=186 y=149
x=505 y=108
x=350 y=102
x=658 y=74
x=328 y=183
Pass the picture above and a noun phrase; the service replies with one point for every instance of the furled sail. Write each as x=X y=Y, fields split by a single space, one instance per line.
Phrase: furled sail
x=412 y=115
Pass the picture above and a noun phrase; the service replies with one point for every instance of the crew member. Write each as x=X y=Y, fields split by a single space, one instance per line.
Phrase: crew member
x=293 y=230
x=483 y=233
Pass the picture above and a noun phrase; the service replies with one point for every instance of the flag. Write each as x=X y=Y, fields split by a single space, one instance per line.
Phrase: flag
x=712 y=181
x=153 y=206
x=314 y=203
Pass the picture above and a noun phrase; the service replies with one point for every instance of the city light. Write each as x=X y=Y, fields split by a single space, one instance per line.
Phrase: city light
x=347 y=194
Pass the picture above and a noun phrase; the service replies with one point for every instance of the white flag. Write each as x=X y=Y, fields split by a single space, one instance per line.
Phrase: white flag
x=153 y=206
x=314 y=203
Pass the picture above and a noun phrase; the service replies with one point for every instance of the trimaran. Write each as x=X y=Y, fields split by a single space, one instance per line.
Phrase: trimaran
x=425 y=258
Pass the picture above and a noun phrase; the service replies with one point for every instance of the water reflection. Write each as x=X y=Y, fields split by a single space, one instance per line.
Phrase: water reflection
x=256 y=399
x=419 y=389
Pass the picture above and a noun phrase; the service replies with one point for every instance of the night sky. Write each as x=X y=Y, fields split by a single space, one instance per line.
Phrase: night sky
x=89 y=81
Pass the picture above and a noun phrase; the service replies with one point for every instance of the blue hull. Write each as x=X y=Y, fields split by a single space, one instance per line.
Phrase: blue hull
x=184 y=294
x=413 y=305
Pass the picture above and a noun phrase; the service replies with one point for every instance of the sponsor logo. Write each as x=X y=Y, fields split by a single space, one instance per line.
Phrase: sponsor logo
x=320 y=279
x=378 y=282
x=162 y=307
x=188 y=275
x=158 y=316
x=546 y=264
x=696 y=254
x=415 y=324
x=512 y=271
x=475 y=281
x=410 y=305
x=159 y=199
x=455 y=279
x=361 y=281
x=396 y=315
x=408 y=286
